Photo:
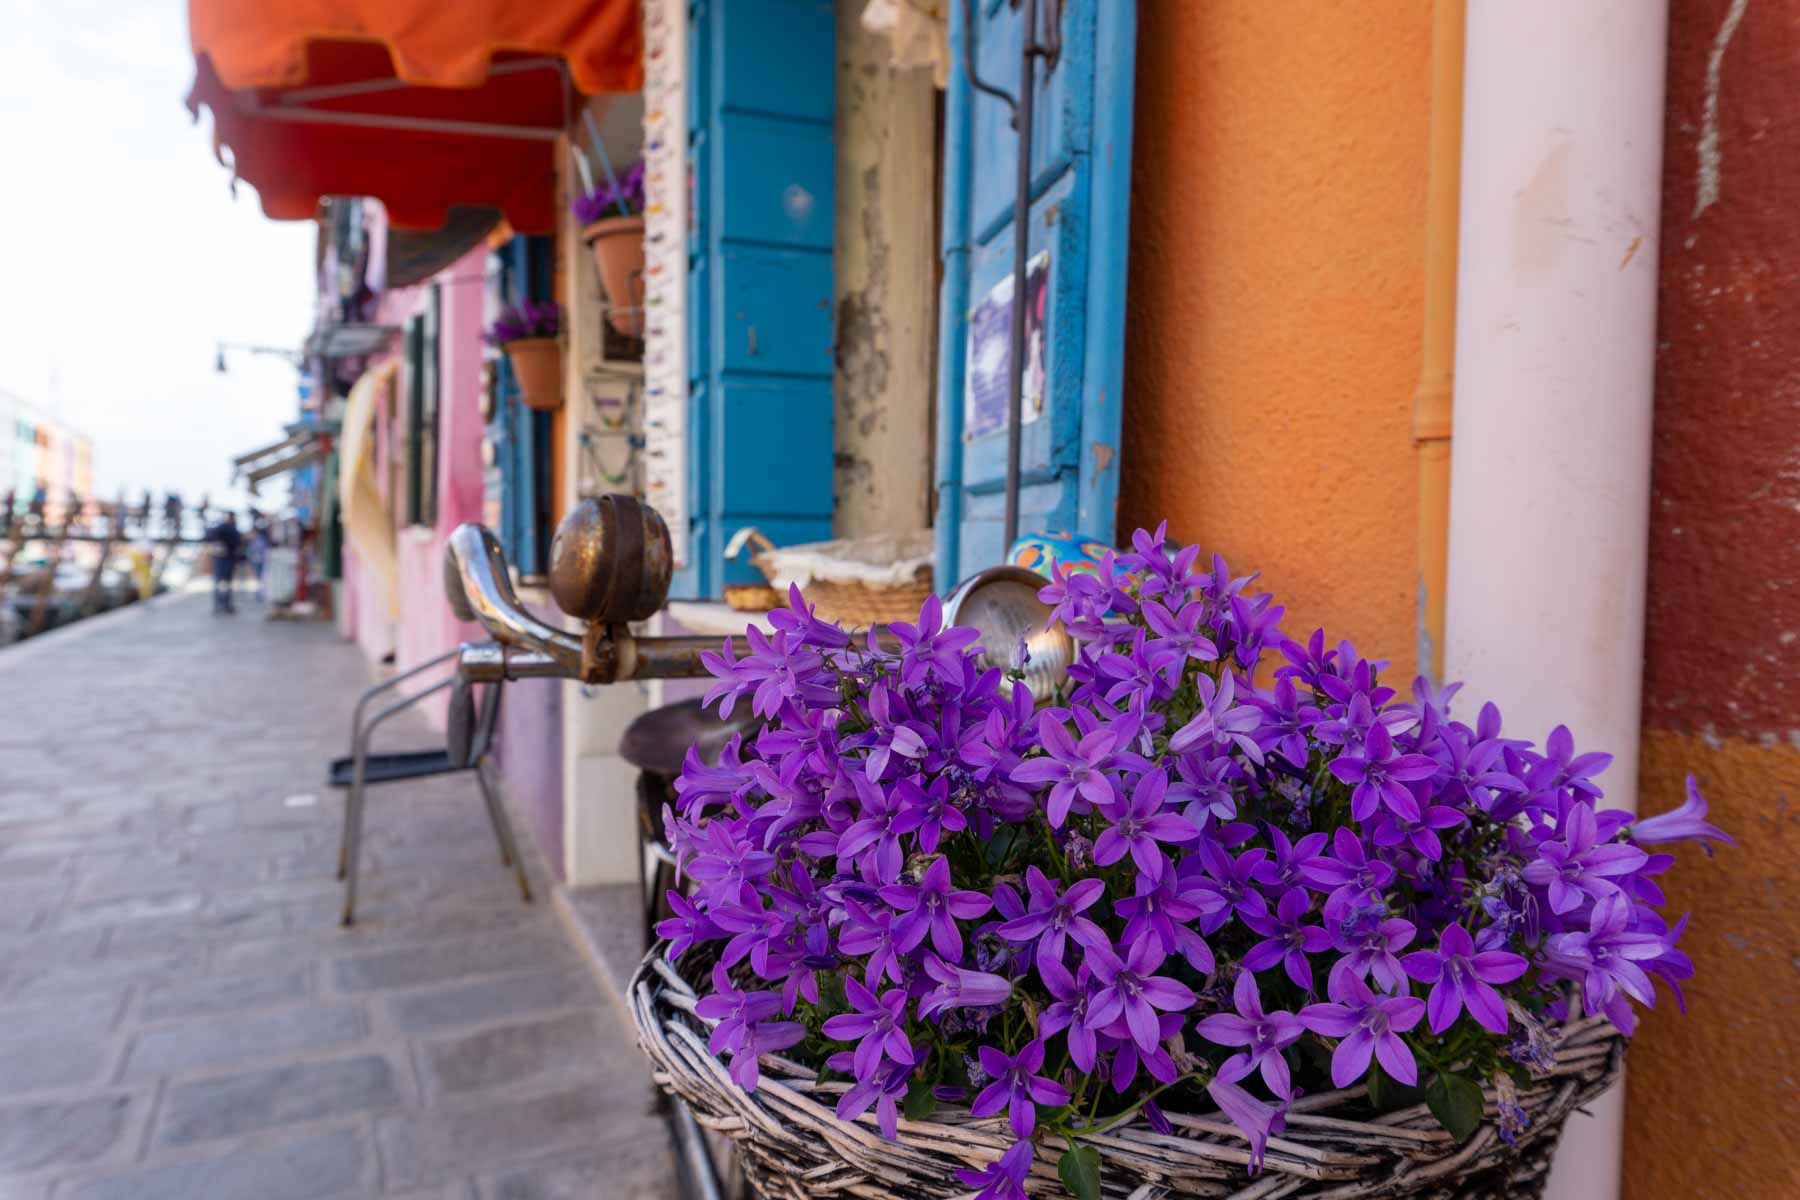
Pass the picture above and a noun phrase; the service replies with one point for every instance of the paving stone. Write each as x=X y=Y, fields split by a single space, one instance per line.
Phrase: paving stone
x=640 y=1170
x=131 y=908
x=521 y=1055
x=237 y=920
x=93 y=1014
x=253 y=1100
x=324 y=1165
x=104 y=974
x=243 y=1039
x=437 y=1144
x=53 y=1062
x=60 y=1133
x=448 y=959
x=195 y=997
x=35 y=866
x=427 y=1010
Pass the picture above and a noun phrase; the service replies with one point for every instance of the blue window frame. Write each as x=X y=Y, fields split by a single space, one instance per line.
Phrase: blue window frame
x=521 y=435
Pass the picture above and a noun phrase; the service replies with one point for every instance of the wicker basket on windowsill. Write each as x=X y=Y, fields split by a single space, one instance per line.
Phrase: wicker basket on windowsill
x=793 y=1148
x=856 y=582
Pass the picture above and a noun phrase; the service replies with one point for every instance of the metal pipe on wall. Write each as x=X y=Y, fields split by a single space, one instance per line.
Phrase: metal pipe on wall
x=1555 y=356
x=1432 y=416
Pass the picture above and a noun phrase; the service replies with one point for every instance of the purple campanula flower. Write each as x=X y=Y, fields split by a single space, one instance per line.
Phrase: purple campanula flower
x=743 y=1028
x=878 y=1025
x=883 y=1090
x=1288 y=868
x=1204 y=783
x=1076 y=771
x=959 y=987
x=931 y=905
x=1131 y=987
x=1233 y=879
x=1460 y=977
x=1068 y=1011
x=1138 y=824
x=756 y=933
x=870 y=933
x=1258 y=1119
x=1219 y=721
x=1371 y=946
x=727 y=866
x=1263 y=1035
x=1354 y=878
x=797 y=620
x=1606 y=955
x=1380 y=773
x=1052 y=918
x=1161 y=908
x=1127 y=1057
x=1140 y=673
x=1368 y=1026
x=904 y=739
x=690 y=924
x=1561 y=767
x=1681 y=824
x=1286 y=940
x=1285 y=720
x=1004 y=1179
x=1575 y=869
x=1421 y=835
x=1178 y=635
x=1017 y=1086
x=928 y=650
x=884 y=815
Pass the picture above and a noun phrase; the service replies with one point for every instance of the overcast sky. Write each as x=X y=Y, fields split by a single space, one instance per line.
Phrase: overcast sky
x=124 y=257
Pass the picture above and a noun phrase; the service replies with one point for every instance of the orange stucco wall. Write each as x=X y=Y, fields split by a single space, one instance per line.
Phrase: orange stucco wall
x=1275 y=299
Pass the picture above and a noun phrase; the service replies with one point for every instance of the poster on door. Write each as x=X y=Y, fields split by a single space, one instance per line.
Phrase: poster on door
x=989 y=381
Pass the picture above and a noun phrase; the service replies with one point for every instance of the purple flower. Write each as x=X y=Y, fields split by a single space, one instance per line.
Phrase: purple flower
x=879 y=1024
x=1218 y=721
x=1161 y=908
x=1380 y=774
x=1076 y=770
x=883 y=1090
x=530 y=319
x=1178 y=635
x=931 y=905
x=1606 y=955
x=742 y=1027
x=884 y=817
x=1371 y=946
x=1574 y=868
x=1681 y=824
x=1130 y=987
x=689 y=925
x=959 y=987
x=1139 y=824
x=1263 y=1035
x=1460 y=977
x=1258 y=1119
x=1017 y=1086
x=928 y=650
x=870 y=933
x=1233 y=879
x=1051 y=919
x=1561 y=767
x=1002 y=1180
x=1369 y=1025
x=1355 y=878
x=1286 y=940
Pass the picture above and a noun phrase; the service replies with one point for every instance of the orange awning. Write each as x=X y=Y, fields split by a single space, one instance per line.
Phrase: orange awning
x=422 y=104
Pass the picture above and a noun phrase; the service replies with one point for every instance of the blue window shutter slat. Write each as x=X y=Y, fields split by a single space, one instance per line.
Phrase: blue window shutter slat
x=1081 y=177
x=762 y=97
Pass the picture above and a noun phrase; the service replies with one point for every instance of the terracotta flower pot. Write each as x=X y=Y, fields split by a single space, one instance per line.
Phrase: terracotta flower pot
x=537 y=364
x=618 y=245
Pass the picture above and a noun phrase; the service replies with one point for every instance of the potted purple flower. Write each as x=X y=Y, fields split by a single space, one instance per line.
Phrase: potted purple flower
x=612 y=219
x=1228 y=904
x=527 y=332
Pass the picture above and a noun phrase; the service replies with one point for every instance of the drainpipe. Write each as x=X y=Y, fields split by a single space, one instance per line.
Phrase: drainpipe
x=1431 y=401
x=1555 y=355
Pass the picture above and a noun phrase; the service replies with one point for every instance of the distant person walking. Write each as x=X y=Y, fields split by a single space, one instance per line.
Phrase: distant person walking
x=227 y=545
x=258 y=552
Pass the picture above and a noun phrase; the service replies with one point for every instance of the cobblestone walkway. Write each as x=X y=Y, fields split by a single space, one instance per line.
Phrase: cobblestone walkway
x=181 y=1016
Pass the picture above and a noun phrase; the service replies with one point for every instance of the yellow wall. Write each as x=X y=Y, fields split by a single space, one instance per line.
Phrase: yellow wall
x=1275 y=299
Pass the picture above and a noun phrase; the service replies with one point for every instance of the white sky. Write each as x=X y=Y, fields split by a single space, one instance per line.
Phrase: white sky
x=124 y=258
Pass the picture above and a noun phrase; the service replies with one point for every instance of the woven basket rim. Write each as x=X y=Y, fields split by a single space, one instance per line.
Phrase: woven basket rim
x=1321 y=1154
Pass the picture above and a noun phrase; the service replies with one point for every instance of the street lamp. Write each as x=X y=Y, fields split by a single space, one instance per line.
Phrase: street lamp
x=294 y=358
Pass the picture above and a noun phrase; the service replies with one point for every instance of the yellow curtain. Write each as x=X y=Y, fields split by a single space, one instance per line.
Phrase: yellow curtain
x=368 y=526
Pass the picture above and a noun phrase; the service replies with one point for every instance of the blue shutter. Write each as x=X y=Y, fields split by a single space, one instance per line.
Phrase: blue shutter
x=762 y=81
x=1081 y=185
x=521 y=435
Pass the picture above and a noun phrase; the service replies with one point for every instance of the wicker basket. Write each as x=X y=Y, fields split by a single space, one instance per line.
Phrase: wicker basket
x=793 y=1148
x=857 y=582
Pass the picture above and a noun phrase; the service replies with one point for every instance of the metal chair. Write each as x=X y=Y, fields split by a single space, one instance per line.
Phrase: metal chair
x=361 y=769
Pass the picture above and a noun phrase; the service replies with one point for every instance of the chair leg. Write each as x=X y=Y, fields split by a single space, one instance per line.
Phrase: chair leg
x=353 y=820
x=509 y=849
x=344 y=842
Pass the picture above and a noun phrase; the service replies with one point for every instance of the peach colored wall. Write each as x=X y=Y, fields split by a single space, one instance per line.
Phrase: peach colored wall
x=1275 y=298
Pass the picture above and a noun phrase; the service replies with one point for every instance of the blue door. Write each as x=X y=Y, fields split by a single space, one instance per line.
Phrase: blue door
x=1075 y=293
x=762 y=85
x=520 y=434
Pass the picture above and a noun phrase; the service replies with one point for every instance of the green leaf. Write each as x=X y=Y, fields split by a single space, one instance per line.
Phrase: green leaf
x=1389 y=1095
x=920 y=1103
x=1080 y=1172
x=1456 y=1103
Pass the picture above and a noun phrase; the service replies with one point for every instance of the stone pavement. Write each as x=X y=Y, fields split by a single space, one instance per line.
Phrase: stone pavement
x=181 y=1016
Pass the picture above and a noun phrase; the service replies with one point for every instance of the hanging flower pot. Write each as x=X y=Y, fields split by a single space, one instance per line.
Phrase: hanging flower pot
x=618 y=246
x=612 y=219
x=528 y=334
x=537 y=365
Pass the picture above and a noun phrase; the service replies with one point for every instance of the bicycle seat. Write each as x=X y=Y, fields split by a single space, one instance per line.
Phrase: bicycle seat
x=659 y=739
